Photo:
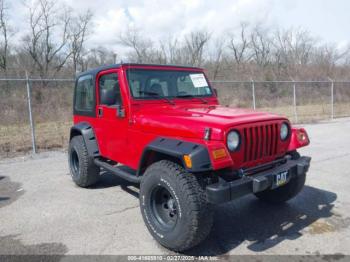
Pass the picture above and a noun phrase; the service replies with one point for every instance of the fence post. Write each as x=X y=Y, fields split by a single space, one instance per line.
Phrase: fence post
x=332 y=97
x=30 y=112
x=295 y=102
x=253 y=93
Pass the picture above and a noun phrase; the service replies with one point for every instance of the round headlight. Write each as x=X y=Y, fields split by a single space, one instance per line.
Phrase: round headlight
x=233 y=140
x=284 y=131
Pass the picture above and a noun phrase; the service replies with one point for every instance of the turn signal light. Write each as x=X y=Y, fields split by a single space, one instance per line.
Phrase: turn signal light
x=188 y=161
x=219 y=153
x=302 y=137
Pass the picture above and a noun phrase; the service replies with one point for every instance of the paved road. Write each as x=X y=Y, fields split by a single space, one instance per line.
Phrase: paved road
x=43 y=212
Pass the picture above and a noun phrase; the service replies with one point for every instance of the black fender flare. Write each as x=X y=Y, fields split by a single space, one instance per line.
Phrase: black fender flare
x=175 y=148
x=87 y=132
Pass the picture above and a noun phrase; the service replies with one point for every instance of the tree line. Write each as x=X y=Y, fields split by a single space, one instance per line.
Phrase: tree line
x=55 y=45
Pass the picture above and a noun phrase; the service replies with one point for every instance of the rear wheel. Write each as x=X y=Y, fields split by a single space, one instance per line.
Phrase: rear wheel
x=174 y=206
x=82 y=168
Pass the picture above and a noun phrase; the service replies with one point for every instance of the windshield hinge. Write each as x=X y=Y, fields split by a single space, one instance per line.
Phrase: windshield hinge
x=207 y=133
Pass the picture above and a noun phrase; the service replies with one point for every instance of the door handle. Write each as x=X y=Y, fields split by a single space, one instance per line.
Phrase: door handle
x=100 y=112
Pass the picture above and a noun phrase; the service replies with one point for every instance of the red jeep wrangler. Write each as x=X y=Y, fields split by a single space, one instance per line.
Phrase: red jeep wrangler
x=163 y=128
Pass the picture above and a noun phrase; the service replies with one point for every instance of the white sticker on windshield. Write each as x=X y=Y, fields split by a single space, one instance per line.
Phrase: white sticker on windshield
x=198 y=80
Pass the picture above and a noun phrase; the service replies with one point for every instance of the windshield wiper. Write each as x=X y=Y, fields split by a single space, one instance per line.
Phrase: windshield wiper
x=154 y=94
x=192 y=96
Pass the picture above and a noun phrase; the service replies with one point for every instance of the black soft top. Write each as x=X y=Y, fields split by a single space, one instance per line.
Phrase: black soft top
x=96 y=70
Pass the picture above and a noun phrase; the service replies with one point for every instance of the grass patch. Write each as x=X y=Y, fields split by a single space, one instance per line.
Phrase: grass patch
x=16 y=139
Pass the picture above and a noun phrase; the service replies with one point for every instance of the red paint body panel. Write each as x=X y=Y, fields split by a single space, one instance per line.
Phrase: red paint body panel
x=124 y=139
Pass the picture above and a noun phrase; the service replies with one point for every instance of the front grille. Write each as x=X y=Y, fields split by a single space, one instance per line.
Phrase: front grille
x=260 y=142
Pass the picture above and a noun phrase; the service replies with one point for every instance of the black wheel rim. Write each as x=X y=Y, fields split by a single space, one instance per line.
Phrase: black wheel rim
x=164 y=208
x=74 y=159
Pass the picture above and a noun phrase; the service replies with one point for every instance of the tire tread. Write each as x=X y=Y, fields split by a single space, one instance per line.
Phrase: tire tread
x=89 y=172
x=199 y=210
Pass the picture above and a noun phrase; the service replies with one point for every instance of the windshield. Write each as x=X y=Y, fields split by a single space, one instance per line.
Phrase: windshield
x=153 y=84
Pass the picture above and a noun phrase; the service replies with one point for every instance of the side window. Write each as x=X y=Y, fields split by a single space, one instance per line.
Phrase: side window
x=84 y=96
x=109 y=90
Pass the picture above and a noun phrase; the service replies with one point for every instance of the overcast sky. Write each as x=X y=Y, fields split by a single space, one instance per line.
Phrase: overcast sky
x=329 y=20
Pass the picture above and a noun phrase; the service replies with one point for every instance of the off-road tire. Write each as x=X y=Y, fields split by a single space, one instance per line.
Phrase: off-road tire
x=284 y=193
x=194 y=213
x=83 y=170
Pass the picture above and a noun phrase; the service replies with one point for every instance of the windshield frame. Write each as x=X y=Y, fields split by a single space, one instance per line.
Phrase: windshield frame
x=169 y=69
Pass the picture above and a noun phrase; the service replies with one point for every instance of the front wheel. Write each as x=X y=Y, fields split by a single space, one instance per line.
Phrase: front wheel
x=174 y=207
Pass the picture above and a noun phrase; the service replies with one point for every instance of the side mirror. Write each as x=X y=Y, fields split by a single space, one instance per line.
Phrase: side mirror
x=120 y=111
x=215 y=91
x=108 y=97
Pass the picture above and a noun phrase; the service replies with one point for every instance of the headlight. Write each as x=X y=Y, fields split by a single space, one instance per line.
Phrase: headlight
x=284 y=131
x=233 y=140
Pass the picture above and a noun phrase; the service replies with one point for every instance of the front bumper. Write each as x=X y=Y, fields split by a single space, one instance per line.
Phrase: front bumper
x=224 y=191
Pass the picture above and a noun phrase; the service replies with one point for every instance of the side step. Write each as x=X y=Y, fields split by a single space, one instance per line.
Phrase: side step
x=121 y=171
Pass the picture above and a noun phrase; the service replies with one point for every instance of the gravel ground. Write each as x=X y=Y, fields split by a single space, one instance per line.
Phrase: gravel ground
x=43 y=212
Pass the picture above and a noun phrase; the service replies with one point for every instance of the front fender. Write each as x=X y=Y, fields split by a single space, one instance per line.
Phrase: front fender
x=177 y=149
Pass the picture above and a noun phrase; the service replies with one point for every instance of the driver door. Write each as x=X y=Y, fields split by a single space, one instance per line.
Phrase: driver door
x=111 y=118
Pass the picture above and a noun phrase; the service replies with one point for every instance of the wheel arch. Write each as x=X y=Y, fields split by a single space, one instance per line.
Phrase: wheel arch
x=87 y=132
x=174 y=150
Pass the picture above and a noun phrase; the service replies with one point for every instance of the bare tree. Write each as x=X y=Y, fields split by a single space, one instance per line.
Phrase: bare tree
x=47 y=40
x=282 y=52
x=346 y=56
x=261 y=45
x=57 y=35
x=217 y=56
x=79 y=29
x=4 y=42
x=141 y=46
x=293 y=49
x=195 y=44
x=170 y=49
x=240 y=45
x=97 y=57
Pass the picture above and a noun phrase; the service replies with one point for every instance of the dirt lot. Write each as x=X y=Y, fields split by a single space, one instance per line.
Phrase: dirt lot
x=43 y=212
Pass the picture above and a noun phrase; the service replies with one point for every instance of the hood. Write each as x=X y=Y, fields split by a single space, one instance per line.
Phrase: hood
x=191 y=121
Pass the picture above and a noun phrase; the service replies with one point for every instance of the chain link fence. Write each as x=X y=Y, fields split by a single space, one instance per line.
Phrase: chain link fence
x=36 y=114
x=300 y=101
